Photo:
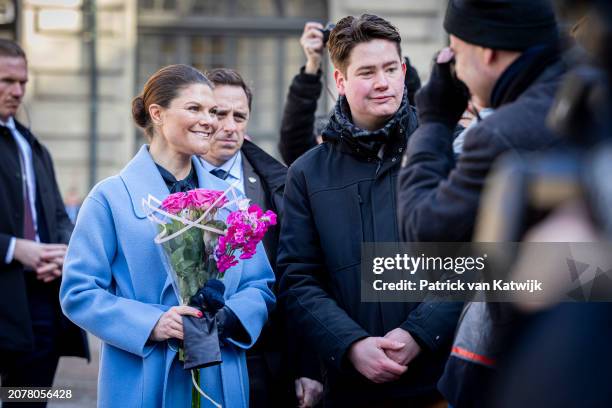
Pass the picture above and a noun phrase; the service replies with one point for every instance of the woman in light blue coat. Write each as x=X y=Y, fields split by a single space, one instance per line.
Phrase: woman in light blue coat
x=115 y=285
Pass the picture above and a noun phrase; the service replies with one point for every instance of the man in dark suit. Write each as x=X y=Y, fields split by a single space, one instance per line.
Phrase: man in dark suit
x=34 y=231
x=262 y=179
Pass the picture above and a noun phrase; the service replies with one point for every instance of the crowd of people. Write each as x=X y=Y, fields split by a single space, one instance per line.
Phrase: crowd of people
x=392 y=162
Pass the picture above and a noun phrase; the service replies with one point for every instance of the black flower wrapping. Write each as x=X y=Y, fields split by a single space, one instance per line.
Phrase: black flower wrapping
x=201 y=341
x=201 y=335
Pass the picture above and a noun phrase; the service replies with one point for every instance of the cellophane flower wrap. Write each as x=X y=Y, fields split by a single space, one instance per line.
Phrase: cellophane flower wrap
x=202 y=233
x=190 y=253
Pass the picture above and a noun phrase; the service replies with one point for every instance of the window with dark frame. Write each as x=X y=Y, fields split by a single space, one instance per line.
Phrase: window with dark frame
x=258 y=38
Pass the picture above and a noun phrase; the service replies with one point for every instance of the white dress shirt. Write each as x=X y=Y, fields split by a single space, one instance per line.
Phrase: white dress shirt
x=233 y=167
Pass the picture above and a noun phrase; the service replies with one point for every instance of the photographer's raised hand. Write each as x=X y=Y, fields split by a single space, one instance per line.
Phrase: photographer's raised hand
x=312 y=44
x=444 y=97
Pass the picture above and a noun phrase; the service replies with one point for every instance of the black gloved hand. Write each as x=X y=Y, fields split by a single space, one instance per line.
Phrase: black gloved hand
x=209 y=297
x=227 y=323
x=444 y=98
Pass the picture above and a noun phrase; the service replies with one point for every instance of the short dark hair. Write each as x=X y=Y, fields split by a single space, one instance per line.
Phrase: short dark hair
x=161 y=88
x=230 y=77
x=351 y=31
x=10 y=48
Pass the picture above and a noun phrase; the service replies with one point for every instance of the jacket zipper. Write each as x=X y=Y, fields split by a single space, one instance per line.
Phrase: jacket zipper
x=378 y=166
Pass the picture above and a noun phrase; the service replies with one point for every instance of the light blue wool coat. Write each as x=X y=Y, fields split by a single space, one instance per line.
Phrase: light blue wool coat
x=115 y=286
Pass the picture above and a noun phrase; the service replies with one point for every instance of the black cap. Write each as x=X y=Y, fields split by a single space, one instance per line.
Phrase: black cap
x=502 y=24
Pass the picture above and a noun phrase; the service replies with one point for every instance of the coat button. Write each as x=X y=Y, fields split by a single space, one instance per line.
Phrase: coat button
x=332 y=358
x=394 y=159
x=401 y=149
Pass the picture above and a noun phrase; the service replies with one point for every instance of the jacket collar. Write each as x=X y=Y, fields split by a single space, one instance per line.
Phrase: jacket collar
x=142 y=178
x=522 y=73
x=271 y=171
x=25 y=132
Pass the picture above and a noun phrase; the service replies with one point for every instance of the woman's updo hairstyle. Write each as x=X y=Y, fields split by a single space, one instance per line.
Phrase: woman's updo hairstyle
x=161 y=88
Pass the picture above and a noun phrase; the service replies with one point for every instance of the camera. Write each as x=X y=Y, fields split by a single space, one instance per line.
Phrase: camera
x=326 y=31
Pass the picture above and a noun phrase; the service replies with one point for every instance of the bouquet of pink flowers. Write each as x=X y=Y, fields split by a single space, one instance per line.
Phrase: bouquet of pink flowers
x=199 y=242
x=201 y=237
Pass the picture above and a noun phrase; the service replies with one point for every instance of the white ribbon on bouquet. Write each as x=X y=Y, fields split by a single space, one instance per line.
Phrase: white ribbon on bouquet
x=154 y=205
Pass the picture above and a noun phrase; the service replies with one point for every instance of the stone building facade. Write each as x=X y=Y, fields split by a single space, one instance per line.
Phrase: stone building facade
x=66 y=99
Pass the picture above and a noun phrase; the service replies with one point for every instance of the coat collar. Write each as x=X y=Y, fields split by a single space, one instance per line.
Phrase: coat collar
x=522 y=73
x=272 y=172
x=253 y=188
x=25 y=132
x=142 y=178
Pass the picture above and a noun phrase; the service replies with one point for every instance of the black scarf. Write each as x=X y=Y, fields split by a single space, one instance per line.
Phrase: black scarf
x=341 y=126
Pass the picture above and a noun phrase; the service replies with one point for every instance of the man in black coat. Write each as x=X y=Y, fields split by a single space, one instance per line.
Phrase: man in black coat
x=339 y=195
x=506 y=52
x=34 y=231
x=262 y=179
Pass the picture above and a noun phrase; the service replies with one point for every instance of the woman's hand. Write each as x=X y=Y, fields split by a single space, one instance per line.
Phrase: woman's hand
x=170 y=324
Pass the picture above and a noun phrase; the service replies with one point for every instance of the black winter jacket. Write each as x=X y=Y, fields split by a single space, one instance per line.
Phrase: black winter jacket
x=297 y=127
x=337 y=196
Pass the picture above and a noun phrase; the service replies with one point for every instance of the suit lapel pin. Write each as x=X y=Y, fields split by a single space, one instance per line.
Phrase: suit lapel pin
x=252 y=179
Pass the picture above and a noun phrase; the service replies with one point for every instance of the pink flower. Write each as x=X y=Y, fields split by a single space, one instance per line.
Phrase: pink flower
x=271 y=217
x=203 y=199
x=174 y=203
x=198 y=199
x=225 y=262
x=254 y=209
x=245 y=230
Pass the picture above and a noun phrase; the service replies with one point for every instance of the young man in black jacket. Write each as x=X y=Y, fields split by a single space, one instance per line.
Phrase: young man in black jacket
x=507 y=55
x=338 y=195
